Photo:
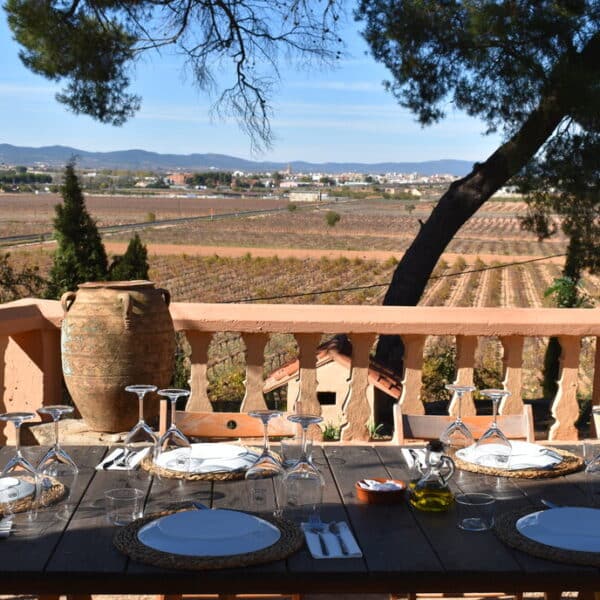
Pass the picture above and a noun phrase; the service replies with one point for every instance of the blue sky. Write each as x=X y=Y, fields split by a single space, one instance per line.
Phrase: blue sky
x=335 y=115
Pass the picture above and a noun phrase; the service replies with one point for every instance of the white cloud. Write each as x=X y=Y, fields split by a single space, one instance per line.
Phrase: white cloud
x=339 y=86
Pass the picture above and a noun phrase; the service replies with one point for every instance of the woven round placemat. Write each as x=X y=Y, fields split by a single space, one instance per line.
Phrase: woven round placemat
x=570 y=464
x=52 y=491
x=149 y=465
x=126 y=540
x=505 y=527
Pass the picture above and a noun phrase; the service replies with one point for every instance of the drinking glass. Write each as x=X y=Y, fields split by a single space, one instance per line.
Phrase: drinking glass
x=57 y=463
x=141 y=435
x=173 y=450
x=302 y=485
x=493 y=448
x=457 y=435
x=267 y=464
x=20 y=468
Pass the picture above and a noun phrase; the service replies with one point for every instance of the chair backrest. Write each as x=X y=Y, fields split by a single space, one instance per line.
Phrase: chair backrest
x=226 y=425
x=430 y=427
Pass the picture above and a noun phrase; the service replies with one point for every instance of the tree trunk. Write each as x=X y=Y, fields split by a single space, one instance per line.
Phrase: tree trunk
x=457 y=205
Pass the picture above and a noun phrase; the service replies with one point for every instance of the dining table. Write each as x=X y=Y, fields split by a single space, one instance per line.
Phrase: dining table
x=403 y=549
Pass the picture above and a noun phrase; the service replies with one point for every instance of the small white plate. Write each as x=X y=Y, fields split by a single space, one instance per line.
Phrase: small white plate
x=13 y=489
x=209 y=533
x=567 y=527
x=209 y=458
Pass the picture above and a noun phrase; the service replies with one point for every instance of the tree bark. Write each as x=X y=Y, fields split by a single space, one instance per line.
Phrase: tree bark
x=458 y=205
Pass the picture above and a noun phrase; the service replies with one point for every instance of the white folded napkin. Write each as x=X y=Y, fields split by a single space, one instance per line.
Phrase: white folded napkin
x=332 y=544
x=380 y=486
x=5 y=526
x=524 y=455
x=132 y=462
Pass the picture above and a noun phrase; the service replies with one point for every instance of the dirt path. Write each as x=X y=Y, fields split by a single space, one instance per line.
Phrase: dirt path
x=236 y=252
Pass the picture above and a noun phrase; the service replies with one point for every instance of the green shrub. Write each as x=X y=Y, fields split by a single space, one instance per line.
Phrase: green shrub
x=332 y=217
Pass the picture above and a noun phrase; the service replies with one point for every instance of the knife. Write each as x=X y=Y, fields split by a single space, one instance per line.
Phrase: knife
x=113 y=460
x=324 y=550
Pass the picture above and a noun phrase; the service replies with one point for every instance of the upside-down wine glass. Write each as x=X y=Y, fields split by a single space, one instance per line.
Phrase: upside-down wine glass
x=141 y=435
x=303 y=484
x=267 y=464
x=173 y=450
x=493 y=448
x=57 y=463
x=267 y=471
x=22 y=470
x=457 y=435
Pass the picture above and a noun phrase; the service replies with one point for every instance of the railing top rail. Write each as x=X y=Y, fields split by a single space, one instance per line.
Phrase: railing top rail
x=30 y=313
x=409 y=320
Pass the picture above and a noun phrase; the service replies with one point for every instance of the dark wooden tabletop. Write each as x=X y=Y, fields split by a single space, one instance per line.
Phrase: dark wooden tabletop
x=404 y=550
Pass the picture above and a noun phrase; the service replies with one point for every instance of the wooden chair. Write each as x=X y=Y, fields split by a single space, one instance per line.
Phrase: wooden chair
x=226 y=426
x=429 y=427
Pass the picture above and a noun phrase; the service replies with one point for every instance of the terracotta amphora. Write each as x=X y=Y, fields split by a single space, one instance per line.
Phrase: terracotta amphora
x=116 y=333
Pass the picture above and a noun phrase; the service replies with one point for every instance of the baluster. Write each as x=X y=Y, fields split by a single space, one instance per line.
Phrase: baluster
x=255 y=358
x=307 y=401
x=465 y=365
x=513 y=374
x=410 y=400
x=357 y=410
x=199 y=342
x=565 y=408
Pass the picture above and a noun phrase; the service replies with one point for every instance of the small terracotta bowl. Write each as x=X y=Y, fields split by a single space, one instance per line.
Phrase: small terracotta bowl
x=381 y=497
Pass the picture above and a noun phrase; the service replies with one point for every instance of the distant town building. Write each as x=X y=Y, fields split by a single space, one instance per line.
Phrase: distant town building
x=308 y=196
x=178 y=178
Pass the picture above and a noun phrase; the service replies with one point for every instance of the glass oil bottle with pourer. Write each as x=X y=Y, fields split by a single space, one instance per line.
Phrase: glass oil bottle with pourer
x=431 y=492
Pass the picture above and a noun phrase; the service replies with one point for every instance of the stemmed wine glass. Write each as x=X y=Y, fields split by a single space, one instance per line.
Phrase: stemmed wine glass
x=303 y=484
x=457 y=435
x=56 y=462
x=173 y=450
x=20 y=468
x=141 y=435
x=267 y=464
x=493 y=448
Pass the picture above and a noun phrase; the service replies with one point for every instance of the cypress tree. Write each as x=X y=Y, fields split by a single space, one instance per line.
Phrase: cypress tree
x=133 y=264
x=80 y=255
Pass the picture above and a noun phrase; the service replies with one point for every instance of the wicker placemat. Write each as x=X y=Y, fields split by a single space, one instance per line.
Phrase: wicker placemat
x=126 y=540
x=149 y=465
x=52 y=491
x=570 y=464
x=505 y=527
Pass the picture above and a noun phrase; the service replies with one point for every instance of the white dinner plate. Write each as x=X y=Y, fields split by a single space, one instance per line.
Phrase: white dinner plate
x=209 y=458
x=523 y=455
x=13 y=489
x=209 y=533
x=567 y=527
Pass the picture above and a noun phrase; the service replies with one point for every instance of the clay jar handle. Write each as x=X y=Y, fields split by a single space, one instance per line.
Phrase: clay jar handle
x=66 y=301
x=126 y=306
x=166 y=294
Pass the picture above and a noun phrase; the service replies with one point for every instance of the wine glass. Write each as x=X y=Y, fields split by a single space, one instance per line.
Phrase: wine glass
x=303 y=484
x=173 y=450
x=141 y=435
x=267 y=464
x=56 y=463
x=457 y=435
x=267 y=469
x=21 y=469
x=493 y=448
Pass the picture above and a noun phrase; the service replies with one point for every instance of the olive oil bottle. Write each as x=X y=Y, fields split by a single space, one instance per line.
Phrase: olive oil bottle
x=431 y=491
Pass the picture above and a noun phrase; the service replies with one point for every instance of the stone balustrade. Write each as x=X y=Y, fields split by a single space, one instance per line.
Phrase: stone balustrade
x=31 y=373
